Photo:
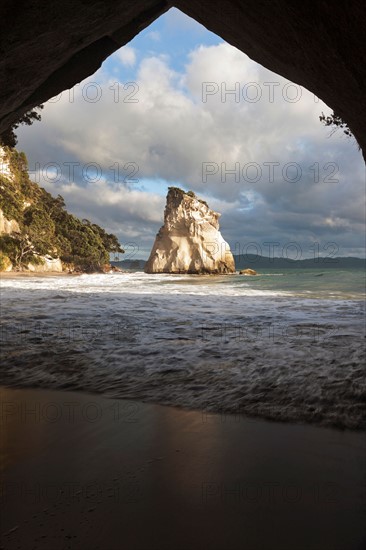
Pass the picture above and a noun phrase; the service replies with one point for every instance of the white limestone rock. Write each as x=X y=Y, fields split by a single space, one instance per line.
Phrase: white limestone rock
x=11 y=227
x=47 y=265
x=5 y=169
x=190 y=240
x=8 y=226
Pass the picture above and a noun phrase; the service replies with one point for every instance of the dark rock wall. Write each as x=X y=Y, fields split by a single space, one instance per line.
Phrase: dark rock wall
x=48 y=46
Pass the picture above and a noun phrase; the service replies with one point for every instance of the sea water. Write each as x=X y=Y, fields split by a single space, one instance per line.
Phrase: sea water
x=284 y=345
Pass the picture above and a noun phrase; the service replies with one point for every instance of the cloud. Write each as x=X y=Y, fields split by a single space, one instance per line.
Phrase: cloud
x=154 y=35
x=242 y=137
x=127 y=55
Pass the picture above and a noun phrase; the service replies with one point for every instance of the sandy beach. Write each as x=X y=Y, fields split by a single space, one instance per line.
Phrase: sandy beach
x=16 y=274
x=82 y=471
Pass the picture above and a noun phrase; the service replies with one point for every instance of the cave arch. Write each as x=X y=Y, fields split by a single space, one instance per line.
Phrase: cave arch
x=319 y=45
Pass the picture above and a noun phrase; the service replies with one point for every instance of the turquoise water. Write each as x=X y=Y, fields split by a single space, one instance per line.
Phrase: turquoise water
x=313 y=283
x=323 y=284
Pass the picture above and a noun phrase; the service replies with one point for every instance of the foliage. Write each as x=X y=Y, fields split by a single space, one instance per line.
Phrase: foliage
x=189 y=193
x=8 y=138
x=4 y=261
x=336 y=122
x=39 y=229
x=178 y=189
x=37 y=260
x=45 y=225
x=11 y=202
x=17 y=247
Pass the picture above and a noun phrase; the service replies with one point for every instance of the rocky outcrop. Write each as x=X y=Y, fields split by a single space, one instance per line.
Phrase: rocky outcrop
x=11 y=227
x=5 y=169
x=318 y=45
x=248 y=271
x=8 y=226
x=47 y=265
x=190 y=240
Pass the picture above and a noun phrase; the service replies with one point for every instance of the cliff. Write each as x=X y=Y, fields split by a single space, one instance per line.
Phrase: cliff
x=190 y=240
x=8 y=226
x=36 y=231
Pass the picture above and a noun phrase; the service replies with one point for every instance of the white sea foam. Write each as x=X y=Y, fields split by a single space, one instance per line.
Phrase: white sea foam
x=140 y=283
x=212 y=343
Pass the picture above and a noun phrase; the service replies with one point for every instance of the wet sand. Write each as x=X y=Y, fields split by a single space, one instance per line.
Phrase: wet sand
x=83 y=471
x=16 y=274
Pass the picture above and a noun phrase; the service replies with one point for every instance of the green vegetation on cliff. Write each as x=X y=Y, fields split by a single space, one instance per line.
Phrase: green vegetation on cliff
x=46 y=228
x=8 y=138
x=191 y=194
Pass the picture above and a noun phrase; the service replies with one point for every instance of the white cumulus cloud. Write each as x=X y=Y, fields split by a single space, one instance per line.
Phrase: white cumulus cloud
x=251 y=144
x=127 y=55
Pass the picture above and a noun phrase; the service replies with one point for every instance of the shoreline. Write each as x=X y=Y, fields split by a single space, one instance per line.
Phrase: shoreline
x=235 y=415
x=16 y=274
x=82 y=471
x=218 y=347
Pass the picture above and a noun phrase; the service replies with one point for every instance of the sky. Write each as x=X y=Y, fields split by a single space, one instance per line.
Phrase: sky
x=178 y=106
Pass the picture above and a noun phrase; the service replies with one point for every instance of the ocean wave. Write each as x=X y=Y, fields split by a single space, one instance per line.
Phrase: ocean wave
x=205 y=345
x=140 y=283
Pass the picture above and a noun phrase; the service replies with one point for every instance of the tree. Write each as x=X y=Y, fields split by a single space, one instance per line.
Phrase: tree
x=36 y=237
x=40 y=229
x=45 y=226
x=8 y=137
x=18 y=248
x=336 y=122
x=23 y=250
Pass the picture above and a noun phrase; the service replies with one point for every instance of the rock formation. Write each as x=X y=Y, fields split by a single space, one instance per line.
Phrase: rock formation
x=248 y=271
x=190 y=240
x=7 y=227
x=319 y=45
x=36 y=231
x=46 y=264
x=11 y=226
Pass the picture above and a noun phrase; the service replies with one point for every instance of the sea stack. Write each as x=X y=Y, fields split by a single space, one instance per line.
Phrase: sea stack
x=190 y=240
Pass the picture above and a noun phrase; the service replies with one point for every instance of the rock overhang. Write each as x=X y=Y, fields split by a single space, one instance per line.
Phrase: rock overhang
x=319 y=45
